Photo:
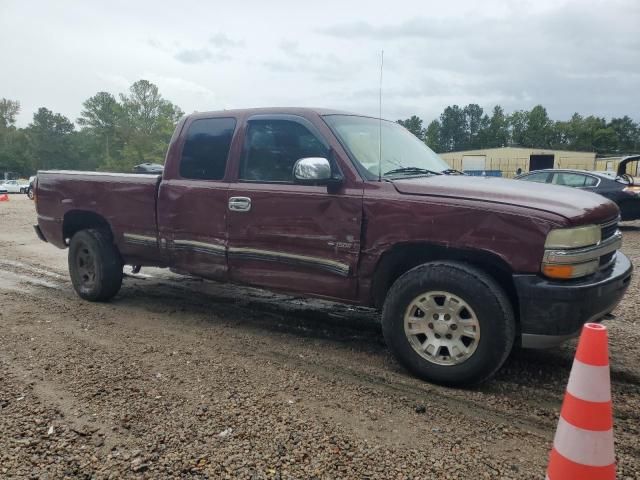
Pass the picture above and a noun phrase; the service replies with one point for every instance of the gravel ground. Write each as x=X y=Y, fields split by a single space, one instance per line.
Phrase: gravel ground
x=185 y=378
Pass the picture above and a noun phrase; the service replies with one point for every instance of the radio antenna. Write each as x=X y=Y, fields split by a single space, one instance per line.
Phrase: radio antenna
x=380 y=121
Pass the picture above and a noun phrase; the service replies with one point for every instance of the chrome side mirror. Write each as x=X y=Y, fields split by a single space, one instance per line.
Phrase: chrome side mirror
x=312 y=170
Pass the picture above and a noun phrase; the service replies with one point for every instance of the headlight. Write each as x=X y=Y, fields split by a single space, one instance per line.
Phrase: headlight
x=573 y=237
x=632 y=190
x=572 y=252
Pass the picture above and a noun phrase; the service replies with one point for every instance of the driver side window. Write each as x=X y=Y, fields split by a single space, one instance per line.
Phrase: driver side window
x=272 y=147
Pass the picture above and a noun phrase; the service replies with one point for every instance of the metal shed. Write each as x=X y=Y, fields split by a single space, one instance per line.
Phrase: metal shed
x=510 y=161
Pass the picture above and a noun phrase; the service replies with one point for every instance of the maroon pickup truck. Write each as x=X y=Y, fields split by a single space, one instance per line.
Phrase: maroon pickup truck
x=312 y=202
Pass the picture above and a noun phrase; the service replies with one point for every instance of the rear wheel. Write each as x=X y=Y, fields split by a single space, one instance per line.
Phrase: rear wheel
x=30 y=193
x=448 y=323
x=95 y=265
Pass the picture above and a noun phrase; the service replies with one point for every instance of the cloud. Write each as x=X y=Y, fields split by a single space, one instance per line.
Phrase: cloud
x=413 y=28
x=116 y=80
x=187 y=94
x=568 y=55
x=216 y=50
x=220 y=40
x=321 y=66
x=154 y=43
x=201 y=55
x=559 y=56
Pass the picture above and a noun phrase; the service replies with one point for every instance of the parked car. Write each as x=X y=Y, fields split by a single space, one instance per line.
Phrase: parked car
x=303 y=201
x=30 y=191
x=15 y=186
x=621 y=190
x=148 y=168
x=2 y=189
x=607 y=173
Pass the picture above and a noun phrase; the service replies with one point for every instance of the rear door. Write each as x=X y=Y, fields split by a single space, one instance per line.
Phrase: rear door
x=284 y=235
x=192 y=201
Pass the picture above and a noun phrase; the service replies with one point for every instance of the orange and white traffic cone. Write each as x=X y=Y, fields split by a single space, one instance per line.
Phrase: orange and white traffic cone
x=4 y=198
x=583 y=445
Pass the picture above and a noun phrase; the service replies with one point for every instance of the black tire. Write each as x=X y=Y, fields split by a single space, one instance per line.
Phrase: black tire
x=22 y=190
x=480 y=292
x=30 y=193
x=95 y=265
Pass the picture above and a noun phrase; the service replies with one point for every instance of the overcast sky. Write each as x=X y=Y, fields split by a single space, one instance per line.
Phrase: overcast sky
x=207 y=55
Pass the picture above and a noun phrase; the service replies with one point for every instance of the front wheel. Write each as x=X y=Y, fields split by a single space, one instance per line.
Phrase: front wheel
x=95 y=265
x=448 y=323
x=30 y=193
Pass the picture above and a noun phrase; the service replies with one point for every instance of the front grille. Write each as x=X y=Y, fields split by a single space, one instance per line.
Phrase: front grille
x=609 y=228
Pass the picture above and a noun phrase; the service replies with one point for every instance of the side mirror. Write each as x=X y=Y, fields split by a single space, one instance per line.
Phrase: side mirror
x=315 y=170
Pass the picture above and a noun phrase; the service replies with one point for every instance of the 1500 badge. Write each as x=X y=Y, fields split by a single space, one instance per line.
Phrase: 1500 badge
x=340 y=244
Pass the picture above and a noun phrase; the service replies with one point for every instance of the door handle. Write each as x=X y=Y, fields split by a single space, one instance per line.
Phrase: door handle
x=240 y=204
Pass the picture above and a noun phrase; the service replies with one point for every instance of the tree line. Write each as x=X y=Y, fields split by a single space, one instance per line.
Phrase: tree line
x=112 y=133
x=116 y=133
x=469 y=128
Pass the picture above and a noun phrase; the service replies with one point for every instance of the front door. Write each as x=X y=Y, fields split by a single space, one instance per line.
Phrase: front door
x=284 y=235
x=192 y=205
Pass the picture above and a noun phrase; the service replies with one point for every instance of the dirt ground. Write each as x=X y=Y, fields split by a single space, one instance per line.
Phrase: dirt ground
x=179 y=377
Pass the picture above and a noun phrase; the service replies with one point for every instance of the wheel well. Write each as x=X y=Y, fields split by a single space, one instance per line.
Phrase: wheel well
x=403 y=258
x=77 y=220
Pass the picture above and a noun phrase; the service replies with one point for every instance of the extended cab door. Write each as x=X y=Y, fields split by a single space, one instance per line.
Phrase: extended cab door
x=284 y=235
x=192 y=201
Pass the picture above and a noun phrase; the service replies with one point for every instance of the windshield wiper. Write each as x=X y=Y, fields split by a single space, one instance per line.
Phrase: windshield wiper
x=411 y=170
x=452 y=171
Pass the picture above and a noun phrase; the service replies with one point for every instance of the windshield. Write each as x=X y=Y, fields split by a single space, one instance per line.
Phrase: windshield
x=400 y=149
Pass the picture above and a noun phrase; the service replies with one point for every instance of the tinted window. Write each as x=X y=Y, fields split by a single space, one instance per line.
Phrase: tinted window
x=573 y=180
x=206 y=148
x=272 y=147
x=537 y=177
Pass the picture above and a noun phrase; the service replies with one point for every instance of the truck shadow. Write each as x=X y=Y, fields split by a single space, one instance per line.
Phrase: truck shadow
x=254 y=308
x=343 y=326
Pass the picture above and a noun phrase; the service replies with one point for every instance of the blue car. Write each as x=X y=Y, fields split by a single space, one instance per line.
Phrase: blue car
x=621 y=188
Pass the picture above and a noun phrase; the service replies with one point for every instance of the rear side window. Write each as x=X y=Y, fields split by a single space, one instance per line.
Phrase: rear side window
x=574 y=180
x=206 y=148
x=590 y=181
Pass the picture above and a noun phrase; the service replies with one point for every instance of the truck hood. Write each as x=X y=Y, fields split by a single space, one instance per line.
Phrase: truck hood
x=578 y=206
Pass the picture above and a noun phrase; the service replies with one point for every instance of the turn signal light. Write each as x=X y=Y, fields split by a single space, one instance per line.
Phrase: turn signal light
x=558 y=271
x=566 y=272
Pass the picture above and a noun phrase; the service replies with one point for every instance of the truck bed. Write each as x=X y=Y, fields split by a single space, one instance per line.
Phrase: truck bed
x=127 y=202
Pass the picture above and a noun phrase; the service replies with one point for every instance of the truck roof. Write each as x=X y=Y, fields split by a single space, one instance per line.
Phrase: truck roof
x=271 y=110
